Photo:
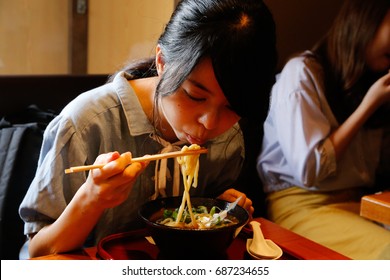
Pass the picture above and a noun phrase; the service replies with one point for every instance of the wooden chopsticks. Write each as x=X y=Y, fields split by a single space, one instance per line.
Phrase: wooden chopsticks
x=139 y=159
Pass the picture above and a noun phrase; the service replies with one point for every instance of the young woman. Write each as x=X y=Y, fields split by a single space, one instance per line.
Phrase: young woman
x=325 y=133
x=214 y=63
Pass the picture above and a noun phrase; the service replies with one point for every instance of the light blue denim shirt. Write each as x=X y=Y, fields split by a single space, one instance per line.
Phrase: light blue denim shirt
x=296 y=149
x=110 y=118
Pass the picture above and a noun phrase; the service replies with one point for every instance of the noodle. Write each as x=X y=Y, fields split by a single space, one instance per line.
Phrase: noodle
x=204 y=219
x=199 y=218
x=189 y=168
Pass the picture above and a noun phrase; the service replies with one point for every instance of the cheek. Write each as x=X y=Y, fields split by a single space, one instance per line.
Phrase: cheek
x=377 y=58
x=230 y=119
x=174 y=111
x=378 y=51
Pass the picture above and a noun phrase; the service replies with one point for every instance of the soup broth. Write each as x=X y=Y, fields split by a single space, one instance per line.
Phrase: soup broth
x=206 y=218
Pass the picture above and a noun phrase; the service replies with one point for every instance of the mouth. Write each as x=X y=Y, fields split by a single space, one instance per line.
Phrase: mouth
x=194 y=140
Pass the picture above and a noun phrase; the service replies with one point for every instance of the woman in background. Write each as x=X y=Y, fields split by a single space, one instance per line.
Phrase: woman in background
x=325 y=136
x=214 y=65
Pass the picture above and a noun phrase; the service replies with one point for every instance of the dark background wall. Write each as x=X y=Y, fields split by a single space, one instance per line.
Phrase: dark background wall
x=300 y=23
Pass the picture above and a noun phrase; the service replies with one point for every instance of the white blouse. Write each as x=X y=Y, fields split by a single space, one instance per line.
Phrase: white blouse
x=296 y=149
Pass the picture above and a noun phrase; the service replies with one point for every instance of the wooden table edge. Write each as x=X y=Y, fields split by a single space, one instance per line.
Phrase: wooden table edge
x=290 y=242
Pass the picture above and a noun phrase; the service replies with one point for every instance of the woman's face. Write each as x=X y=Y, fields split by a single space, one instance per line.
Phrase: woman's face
x=198 y=111
x=378 y=50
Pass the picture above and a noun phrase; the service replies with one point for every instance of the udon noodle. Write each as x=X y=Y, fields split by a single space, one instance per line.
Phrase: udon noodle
x=204 y=218
x=186 y=215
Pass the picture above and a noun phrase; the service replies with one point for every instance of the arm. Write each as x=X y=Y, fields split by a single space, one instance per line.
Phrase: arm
x=104 y=188
x=378 y=94
x=310 y=138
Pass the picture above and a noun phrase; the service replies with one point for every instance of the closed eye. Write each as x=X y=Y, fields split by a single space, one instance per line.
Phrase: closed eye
x=194 y=97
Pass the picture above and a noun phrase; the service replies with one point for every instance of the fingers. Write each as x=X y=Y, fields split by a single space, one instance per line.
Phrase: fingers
x=247 y=205
x=112 y=184
x=114 y=164
x=129 y=174
x=231 y=195
x=118 y=170
x=105 y=158
x=245 y=202
x=387 y=80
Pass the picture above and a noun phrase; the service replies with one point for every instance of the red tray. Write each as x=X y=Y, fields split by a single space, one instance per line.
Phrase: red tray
x=133 y=245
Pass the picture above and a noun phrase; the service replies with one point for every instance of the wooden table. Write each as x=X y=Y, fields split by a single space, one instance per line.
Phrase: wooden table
x=376 y=207
x=293 y=245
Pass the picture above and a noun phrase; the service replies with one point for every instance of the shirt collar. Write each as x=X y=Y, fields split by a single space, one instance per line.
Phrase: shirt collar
x=136 y=118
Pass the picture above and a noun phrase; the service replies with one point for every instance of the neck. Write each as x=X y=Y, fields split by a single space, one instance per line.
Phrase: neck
x=145 y=90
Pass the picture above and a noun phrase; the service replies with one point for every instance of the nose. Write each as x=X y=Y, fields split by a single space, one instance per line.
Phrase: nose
x=209 y=119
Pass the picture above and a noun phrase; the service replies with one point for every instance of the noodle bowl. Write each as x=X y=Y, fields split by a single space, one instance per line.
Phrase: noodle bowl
x=186 y=242
x=204 y=218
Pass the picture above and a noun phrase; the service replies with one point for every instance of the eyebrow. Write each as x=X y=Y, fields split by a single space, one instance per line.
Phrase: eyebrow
x=199 y=85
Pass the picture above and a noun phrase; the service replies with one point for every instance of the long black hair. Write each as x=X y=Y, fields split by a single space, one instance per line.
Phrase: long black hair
x=342 y=54
x=239 y=38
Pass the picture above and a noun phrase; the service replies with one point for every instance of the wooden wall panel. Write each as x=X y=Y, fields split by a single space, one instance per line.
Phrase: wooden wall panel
x=121 y=30
x=78 y=36
x=33 y=36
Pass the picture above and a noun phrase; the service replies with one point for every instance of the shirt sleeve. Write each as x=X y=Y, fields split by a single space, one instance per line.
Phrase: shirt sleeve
x=51 y=190
x=303 y=122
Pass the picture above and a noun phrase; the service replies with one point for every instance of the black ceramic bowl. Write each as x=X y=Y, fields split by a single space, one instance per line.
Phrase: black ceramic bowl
x=192 y=243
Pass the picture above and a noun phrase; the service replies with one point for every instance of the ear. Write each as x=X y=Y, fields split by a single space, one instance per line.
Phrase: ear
x=159 y=60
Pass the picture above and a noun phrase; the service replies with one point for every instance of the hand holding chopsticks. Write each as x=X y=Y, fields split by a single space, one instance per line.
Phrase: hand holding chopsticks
x=139 y=159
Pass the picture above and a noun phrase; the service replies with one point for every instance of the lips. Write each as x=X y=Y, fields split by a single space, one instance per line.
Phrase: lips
x=194 y=140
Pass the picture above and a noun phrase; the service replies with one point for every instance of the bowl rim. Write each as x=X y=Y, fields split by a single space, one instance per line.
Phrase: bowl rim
x=241 y=223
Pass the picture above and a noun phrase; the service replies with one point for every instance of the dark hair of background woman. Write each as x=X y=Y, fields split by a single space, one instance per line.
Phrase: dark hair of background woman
x=342 y=54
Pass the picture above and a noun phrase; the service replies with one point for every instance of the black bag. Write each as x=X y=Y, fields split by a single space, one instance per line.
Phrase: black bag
x=20 y=143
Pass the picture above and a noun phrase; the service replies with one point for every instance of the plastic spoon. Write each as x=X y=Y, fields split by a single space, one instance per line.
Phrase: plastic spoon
x=261 y=248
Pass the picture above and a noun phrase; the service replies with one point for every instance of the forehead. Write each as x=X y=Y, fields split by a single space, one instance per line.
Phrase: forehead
x=385 y=24
x=203 y=68
x=203 y=76
x=382 y=35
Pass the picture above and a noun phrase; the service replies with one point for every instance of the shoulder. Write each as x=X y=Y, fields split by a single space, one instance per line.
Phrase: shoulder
x=300 y=74
x=96 y=103
x=229 y=144
x=303 y=65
